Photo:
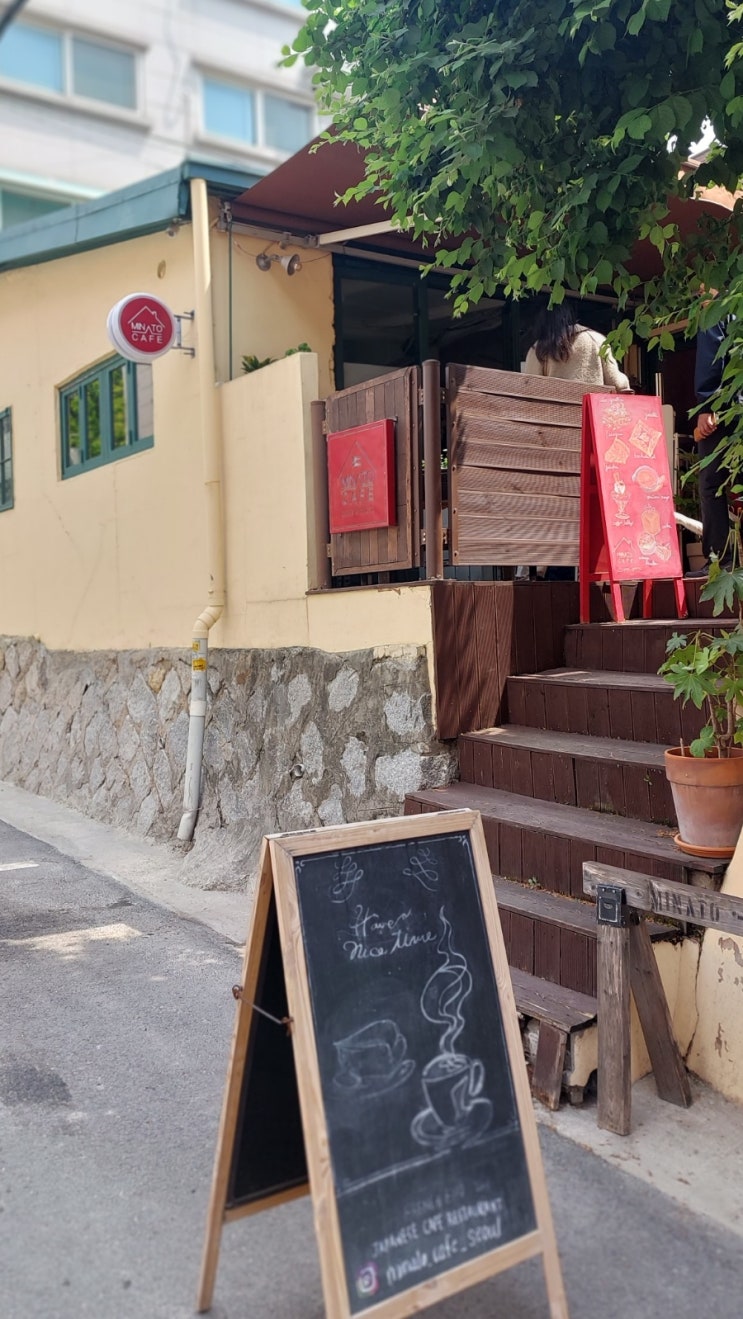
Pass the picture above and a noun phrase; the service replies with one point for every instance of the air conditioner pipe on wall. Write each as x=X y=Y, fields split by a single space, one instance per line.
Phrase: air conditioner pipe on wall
x=211 y=448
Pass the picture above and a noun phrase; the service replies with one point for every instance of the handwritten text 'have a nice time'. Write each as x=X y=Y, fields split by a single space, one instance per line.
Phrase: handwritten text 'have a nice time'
x=371 y=935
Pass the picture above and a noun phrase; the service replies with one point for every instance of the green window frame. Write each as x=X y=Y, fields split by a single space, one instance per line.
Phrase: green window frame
x=105 y=414
x=6 y=459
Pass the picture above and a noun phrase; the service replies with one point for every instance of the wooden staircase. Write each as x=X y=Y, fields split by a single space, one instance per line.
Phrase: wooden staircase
x=576 y=774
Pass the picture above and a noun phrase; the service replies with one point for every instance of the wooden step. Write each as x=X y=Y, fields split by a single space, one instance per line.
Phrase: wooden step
x=638 y=646
x=575 y=769
x=564 y=1008
x=549 y=842
x=574 y=914
x=559 y=1013
x=552 y=936
x=530 y=900
x=548 y=935
x=637 y=707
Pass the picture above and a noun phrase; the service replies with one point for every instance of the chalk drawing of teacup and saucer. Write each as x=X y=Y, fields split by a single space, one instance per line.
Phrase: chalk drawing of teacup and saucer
x=456 y=1113
x=373 y=1059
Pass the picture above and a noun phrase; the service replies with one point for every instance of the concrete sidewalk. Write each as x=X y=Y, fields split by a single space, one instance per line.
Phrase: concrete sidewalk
x=690 y=1155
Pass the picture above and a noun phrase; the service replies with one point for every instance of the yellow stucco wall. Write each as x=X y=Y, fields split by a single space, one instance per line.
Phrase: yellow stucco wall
x=113 y=557
x=268 y=504
x=271 y=311
x=96 y=560
x=717 y=1049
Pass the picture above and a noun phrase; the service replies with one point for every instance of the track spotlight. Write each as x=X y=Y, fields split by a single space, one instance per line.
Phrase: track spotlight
x=291 y=264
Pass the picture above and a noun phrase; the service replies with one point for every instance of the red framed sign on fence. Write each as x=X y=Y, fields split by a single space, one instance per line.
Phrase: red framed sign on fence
x=627 y=525
x=361 y=477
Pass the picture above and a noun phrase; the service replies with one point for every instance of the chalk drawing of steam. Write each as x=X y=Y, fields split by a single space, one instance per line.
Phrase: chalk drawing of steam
x=445 y=992
x=455 y=1112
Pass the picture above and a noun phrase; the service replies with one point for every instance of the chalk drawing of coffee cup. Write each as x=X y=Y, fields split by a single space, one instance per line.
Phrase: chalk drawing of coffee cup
x=455 y=1112
x=451 y=1083
x=373 y=1059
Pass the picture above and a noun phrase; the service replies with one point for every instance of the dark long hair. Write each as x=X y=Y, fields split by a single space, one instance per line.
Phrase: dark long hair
x=554 y=332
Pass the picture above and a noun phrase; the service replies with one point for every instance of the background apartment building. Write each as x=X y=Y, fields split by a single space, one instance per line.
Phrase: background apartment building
x=96 y=94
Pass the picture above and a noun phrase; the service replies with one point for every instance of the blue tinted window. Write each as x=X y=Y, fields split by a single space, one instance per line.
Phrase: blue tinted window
x=288 y=125
x=229 y=111
x=31 y=55
x=103 y=74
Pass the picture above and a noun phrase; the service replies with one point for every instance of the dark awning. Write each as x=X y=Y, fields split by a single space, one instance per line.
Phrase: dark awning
x=301 y=197
x=303 y=191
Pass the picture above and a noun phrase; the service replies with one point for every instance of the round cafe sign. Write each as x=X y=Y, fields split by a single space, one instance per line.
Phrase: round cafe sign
x=141 y=327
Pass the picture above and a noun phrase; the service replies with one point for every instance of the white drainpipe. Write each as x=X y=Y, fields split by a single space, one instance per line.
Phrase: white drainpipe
x=211 y=448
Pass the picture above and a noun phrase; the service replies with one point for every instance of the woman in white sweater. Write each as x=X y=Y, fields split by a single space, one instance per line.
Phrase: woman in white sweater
x=569 y=351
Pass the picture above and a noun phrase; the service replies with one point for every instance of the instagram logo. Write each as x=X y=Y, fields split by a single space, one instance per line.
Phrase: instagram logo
x=367 y=1280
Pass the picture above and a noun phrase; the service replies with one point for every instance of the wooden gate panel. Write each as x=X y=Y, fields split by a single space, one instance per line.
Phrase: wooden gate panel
x=485 y=481
x=514 y=451
x=501 y=457
x=383 y=549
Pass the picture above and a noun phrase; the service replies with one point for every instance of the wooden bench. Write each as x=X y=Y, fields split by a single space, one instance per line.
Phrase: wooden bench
x=559 y=1012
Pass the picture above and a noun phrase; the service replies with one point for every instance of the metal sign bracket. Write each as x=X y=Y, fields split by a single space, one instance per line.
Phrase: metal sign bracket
x=179 y=344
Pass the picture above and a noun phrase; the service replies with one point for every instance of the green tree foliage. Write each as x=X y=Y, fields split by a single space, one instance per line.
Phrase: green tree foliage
x=531 y=143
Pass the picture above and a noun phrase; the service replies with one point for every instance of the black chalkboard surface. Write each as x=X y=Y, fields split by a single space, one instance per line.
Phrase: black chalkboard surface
x=402 y=1093
x=426 y=1148
x=268 y=1154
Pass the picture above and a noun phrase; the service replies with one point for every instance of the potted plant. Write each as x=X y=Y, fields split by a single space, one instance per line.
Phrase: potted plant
x=706 y=668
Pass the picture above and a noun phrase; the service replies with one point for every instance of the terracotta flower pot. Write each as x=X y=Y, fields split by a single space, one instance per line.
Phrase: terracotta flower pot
x=708 y=796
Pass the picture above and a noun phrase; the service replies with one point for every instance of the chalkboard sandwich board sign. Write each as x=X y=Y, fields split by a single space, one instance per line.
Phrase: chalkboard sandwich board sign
x=377 y=1062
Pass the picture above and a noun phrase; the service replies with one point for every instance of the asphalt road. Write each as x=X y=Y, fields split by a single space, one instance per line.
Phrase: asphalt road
x=115 y=1021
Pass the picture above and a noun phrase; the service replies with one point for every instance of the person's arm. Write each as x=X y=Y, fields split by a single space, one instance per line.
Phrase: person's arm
x=532 y=366
x=708 y=369
x=708 y=376
x=610 y=367
x=612 y=374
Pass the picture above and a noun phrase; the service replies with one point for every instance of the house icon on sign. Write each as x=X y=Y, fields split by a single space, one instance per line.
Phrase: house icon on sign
x=146 y=327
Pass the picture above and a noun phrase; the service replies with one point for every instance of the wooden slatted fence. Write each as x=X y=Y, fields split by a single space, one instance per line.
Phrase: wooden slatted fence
x=514 y=460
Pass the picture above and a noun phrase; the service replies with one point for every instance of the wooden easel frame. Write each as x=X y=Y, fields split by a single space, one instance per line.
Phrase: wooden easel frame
x=218 y=1213
x=278 y=877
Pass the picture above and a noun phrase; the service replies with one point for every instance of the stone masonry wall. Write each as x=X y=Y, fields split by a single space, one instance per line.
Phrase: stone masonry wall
x=294 y=739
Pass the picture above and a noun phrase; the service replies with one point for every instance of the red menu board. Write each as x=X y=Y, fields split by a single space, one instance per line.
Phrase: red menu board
x=628 y=530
